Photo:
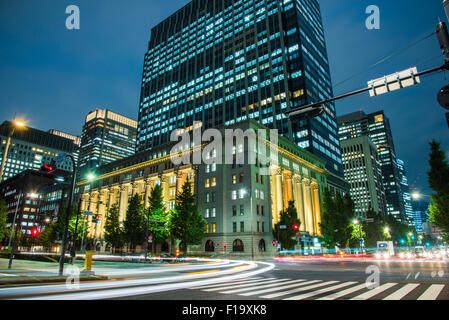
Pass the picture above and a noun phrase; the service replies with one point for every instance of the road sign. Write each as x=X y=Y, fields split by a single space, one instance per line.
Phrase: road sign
x=88 y=213
x=283 y=227
x=394 y=82
x=369 y=220
x=150 y=239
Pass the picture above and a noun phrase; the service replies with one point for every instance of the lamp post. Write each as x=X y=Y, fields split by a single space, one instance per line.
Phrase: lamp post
x=68 y=212
x=16 y=124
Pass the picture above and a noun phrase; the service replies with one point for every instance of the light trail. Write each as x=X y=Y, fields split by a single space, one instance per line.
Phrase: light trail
x=121 y=288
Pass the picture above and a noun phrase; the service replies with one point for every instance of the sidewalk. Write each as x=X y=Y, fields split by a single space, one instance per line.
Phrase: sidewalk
x=28 y=272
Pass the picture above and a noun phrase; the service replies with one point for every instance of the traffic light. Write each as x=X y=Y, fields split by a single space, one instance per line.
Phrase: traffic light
x=177 y=252
x=295 y=227
x=48 y=168
x=35 y=232
x=274 y=242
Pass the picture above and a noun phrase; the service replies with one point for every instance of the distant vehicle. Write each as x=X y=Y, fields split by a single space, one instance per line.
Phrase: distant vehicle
x=385 y=249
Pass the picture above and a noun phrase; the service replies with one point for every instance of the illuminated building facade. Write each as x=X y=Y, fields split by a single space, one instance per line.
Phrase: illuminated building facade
x=377 y=127
x=107 y=136
x=239 y=204
x=406 y=195
x=364 y=173
x=31 y=148
x=221 y=62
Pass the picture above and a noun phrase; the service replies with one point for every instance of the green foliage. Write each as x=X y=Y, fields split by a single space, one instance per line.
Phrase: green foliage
x=113 y=231
x=159 y=219
x=134 y=225
x=336 y=218
x=289 y=218
x=3 y=217
x=375 y=231
x=438 y=176
x=187 y=223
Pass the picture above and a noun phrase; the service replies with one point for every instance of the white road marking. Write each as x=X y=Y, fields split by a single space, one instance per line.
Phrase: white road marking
x=343 y=293
x=317 y=292
x=280 y=294
x=374 y=292
x=245 y=285
x=253 y=293
x=261 y=287
x=432 y=292
x=401 y=293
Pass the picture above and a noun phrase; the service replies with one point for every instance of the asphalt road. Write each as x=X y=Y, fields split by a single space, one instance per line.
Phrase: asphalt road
x=407 y=280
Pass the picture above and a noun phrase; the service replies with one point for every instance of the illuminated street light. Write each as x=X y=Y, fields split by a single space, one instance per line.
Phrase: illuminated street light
x=90 y=176
x=387 y=230
x=355 y=221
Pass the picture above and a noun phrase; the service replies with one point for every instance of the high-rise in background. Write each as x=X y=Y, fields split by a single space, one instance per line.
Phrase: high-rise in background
x=107 y=136
x=221 y=62
x=377 y=127
x=31 y=148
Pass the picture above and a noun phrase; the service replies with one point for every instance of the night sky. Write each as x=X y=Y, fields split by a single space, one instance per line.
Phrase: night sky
x=53 y=76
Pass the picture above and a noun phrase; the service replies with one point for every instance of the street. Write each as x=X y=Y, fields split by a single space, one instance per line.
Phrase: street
x=243 y=280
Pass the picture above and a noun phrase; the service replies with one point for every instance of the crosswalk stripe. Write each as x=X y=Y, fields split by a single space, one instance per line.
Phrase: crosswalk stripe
x=260 y=287
x=275 y=295
x=282 y=287
x=371 y=293
x=317 y=292
x=253 y=283
x=432 y=292
x=232 y=283
x=401 y=293
x=343 y=293
x=245 y=285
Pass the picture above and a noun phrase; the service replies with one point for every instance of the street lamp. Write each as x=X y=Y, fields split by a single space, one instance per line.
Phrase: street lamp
x=17 y=124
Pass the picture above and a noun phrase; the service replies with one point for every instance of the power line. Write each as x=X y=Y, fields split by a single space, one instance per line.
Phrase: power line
x=385 y=59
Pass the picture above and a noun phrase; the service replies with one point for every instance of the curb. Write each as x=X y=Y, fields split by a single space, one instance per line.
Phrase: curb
x=31 y=280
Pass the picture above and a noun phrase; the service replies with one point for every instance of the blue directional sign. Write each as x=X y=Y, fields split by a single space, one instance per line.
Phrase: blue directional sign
x=60 y=158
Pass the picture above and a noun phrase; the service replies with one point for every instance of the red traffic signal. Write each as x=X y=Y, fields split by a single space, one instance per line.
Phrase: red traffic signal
x=295 y=227
x=34 y=232
x=49 y=168
x=274 y=242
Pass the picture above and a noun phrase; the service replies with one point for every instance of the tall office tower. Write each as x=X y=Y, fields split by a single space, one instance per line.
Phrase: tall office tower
x=377 y=127
x=107 y=136
x=364 y=173
x=420 y=214
x=406 y=195
x=31 y=148
x=222 y=62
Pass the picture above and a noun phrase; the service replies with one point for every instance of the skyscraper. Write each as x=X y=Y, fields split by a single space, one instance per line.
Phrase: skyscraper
x=364 y=173
x=406 y=195
x=377 y=127
x=221 y=62
x=107 y=136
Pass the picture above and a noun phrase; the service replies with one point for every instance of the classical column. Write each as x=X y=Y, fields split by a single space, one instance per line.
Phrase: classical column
x=164 y=185
x=102 y=211
x=147 y=192
x=123 y=201
x=135 y=190
x=316 y=207
x=279 y=195
x=288 y=193
x=299 y=201
x=308 y=206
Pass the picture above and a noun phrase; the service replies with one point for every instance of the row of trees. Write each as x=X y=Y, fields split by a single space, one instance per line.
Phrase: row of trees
x=340 y=227
x=184 y=223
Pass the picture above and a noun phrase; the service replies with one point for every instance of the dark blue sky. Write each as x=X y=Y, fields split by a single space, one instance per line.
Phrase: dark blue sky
x=54 y=77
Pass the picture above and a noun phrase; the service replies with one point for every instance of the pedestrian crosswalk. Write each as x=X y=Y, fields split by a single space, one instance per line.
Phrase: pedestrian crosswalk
x=311 y=289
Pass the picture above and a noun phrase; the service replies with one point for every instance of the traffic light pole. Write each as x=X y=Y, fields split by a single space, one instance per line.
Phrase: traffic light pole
x=297 y=111
x=67 y=218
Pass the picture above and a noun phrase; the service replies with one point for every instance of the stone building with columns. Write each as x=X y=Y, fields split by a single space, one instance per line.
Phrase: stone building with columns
x=240 y=202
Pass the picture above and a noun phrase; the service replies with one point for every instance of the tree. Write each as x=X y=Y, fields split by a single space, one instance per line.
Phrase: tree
x=289 y=218
x=375 y=231
x=187 y=223
x=135 y=222
x=3 y=217
x=113 y=231
x=328 y=225
x=159 y=219
x=438 y=176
